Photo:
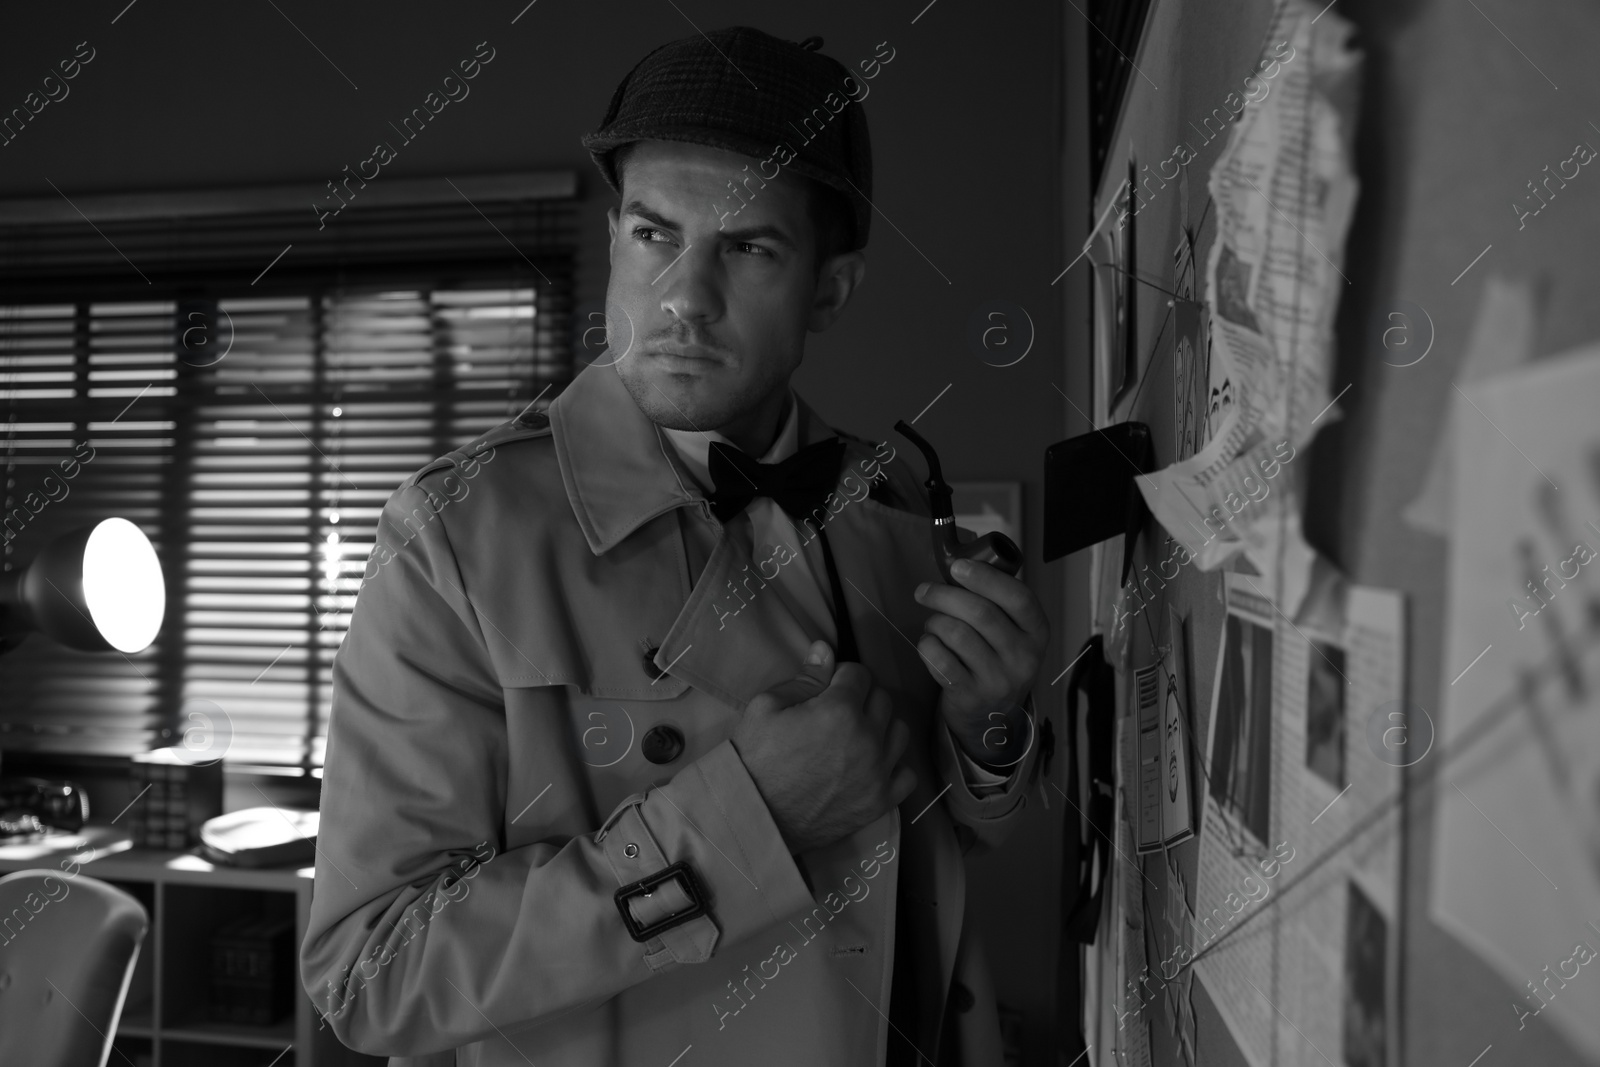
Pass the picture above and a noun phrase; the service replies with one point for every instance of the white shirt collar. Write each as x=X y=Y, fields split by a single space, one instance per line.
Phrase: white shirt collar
x=694 y=446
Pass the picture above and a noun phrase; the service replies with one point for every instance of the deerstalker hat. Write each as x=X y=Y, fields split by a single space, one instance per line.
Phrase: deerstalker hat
x=739 y=89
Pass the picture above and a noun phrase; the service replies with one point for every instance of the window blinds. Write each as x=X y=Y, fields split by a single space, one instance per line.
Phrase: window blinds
x=254 y=433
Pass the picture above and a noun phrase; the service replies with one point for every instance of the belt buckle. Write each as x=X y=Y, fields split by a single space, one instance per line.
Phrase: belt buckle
x=691 y=886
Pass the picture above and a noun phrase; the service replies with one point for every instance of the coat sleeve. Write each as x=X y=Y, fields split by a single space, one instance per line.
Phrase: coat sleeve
x=426 y=933
x=985 y=814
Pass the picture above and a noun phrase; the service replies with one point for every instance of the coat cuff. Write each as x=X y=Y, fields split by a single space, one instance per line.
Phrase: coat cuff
x=713 y=815
x=988 y=808
x=981 y=781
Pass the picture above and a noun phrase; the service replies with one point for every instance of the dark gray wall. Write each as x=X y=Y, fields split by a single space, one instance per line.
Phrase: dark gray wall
x=967 y=123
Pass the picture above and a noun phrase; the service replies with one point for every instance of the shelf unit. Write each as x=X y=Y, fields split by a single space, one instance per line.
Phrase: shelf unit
x=163 y=1021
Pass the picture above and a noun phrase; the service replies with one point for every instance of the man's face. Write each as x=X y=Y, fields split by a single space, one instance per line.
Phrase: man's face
x=718 y=307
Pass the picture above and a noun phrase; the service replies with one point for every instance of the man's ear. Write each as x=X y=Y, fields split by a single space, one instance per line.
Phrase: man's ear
x=838 y=281
x=612 y=218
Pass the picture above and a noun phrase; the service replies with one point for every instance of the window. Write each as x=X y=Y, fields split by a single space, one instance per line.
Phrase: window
x=254 y=434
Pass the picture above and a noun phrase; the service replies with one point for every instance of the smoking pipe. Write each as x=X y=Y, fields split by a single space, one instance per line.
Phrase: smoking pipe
x=994 y=548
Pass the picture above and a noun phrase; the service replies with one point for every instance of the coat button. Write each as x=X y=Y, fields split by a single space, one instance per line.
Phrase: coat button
x=662 y=744
x=650 y=667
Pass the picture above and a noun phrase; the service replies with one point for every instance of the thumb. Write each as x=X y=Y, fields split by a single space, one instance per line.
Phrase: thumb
x=818 y=665
x=814 y=675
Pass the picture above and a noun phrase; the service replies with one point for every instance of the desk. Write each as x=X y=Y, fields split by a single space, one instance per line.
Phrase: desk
x=164 y=1020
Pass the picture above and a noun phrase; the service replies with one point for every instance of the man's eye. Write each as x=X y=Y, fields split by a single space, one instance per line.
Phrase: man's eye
x=649 y=233
x=746 y=246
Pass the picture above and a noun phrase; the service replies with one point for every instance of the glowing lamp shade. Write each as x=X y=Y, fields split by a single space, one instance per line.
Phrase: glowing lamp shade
x=96 y=589
x=122 y=585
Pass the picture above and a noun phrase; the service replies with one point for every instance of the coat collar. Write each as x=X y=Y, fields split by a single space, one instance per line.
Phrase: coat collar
x=619 y=469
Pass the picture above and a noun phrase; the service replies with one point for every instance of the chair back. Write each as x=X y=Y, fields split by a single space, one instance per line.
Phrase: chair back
x=68 y=945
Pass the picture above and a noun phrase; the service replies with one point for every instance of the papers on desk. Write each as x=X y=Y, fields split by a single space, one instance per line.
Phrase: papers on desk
x=1284 y=192
x=89 y=842
x=1517 y=839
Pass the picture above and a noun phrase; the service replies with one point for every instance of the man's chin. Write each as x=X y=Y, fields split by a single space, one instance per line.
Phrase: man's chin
x=679 y=401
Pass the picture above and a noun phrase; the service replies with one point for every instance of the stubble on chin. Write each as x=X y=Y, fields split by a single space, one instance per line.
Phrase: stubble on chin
x=662 y=407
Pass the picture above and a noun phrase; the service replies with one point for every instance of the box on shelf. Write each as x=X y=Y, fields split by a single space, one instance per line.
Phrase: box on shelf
x=181 y=796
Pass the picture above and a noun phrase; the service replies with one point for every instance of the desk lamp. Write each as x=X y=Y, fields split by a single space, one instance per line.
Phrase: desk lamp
x=96 y=589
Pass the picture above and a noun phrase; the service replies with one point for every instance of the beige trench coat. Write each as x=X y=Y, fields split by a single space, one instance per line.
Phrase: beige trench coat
x=489 y=704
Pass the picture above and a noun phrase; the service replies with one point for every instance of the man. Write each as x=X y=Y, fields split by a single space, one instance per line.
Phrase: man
x=632 y=755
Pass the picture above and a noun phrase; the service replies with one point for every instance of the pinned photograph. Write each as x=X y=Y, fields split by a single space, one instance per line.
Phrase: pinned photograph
x=1241 y=714
x=1325 y=713
x=1366 y=937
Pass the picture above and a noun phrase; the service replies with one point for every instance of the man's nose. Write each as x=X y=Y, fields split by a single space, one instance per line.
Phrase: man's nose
x=691 y=288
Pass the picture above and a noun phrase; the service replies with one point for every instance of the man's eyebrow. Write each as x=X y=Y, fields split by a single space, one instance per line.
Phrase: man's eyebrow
x=766 y=230
x=635 y=207
x=748 y=233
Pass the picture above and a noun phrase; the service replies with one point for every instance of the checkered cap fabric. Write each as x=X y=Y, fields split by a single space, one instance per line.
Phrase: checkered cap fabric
x=745 y=91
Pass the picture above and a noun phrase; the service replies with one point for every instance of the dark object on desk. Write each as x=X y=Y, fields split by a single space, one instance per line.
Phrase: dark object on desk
x=252 y=971
x=995 y=548
x=83 y=941
x=261 y=837
x=62 y=805
x=181 y=796
x=1089 y=491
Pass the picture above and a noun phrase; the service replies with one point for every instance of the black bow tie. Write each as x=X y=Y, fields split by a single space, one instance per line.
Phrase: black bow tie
x=799 y=485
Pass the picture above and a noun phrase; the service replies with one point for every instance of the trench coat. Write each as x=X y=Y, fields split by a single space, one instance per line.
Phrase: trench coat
x=530 y=614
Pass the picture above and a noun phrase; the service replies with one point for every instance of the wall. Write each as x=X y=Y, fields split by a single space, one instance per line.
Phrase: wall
x=967 y=123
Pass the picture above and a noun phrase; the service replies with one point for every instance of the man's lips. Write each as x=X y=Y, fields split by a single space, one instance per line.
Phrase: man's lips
x=690 y=352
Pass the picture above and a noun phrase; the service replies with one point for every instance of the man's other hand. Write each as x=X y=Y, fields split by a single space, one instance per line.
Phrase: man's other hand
x=984 y=643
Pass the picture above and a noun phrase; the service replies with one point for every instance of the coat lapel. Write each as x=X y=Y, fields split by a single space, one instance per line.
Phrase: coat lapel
x=729 y=651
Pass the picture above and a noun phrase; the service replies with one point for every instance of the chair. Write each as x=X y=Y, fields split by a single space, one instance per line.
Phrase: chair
x=68 y=945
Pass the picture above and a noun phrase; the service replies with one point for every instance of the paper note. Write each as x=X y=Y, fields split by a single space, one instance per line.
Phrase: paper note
x=1161 y=712
x=1174 y=942
x=1293 y=779
x=1131 y=1038
x=1501 y=340
x=1284 y=192
x=1177 y=817
x=1517 y=839
x=1147 y=709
